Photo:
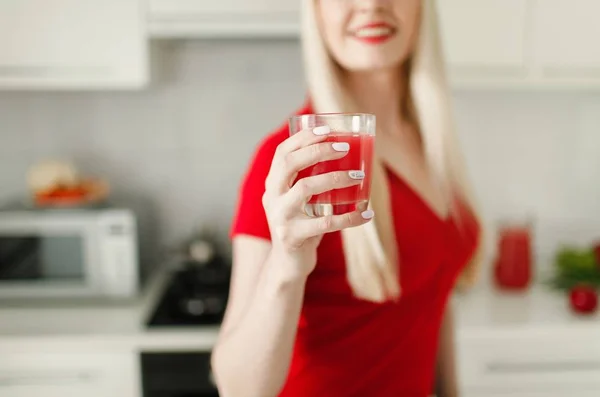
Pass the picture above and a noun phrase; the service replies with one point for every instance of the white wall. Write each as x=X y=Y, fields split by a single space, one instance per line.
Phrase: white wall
x=185 y=141
x=536 y=153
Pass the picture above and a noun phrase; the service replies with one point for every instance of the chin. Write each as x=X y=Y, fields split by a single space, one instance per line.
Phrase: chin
x=362 y=60
x=372 y=64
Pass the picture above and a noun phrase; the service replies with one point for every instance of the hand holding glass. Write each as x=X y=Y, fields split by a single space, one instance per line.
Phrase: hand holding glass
x=357 y=131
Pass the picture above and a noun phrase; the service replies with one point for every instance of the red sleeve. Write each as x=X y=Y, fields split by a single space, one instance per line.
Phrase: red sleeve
x=250 y=217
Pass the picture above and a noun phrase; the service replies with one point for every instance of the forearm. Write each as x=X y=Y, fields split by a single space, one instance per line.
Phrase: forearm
x=446 y=379
x=253 y=358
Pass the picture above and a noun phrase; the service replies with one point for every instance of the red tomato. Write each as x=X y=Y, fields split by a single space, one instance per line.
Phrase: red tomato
x=583 y=299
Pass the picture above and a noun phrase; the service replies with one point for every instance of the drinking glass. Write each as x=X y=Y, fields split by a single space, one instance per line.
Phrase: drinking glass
x=356 y=129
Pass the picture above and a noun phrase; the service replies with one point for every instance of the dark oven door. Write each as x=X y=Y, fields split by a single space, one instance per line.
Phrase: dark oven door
x=177 y=375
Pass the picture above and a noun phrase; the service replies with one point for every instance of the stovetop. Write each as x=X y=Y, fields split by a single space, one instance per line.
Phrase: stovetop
x=196 y=295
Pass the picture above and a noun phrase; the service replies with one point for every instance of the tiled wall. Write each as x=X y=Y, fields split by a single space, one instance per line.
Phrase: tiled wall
x=536 y=153
x=183 y=143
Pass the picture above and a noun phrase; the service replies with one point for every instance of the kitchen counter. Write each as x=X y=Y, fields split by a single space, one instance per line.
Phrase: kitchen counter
x=480 y=311
x=26 y=326
x=540 y=308
x=525 y=344
x=498 y=336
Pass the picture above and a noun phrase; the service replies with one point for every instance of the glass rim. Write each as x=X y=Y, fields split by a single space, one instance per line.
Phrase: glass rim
x=515 y=223
x=340 y=114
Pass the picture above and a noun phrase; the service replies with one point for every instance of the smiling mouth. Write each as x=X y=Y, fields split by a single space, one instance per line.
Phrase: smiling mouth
x=374 y=34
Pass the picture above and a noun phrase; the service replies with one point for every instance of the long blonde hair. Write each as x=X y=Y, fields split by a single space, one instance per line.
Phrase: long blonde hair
x=371 y=250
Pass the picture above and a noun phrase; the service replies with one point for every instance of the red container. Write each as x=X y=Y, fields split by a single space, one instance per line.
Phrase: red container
x=514 y=258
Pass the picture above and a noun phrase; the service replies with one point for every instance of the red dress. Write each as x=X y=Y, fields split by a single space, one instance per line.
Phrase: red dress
x=348 y=347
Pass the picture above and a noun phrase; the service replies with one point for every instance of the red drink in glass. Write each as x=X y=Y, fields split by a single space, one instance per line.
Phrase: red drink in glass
x=358 y=158
x=513 y=268
x=356 y=129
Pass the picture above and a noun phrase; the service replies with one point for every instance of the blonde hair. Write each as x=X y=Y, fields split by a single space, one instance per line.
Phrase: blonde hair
x=371 y=250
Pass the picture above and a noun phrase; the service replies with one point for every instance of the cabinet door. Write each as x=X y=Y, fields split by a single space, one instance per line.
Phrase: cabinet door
x=566 y=38
x=53 y=374
x=72 y=44
x=484 y=37
x=544 y=362
x=555 y=393
x=241 y=18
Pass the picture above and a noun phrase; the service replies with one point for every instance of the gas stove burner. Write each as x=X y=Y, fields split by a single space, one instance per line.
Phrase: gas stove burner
x=196 y=295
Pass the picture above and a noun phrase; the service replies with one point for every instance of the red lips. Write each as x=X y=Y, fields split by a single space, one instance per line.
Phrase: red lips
x=375 y=25
x=374 y=33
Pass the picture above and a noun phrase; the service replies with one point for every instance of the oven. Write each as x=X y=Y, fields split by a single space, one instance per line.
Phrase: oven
x=185 y=374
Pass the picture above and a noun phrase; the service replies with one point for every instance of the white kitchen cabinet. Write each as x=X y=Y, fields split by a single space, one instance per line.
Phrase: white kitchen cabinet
x=526 y=345
x=516 y=44
x=530 y=362
x=489 y=44
x=515 y=393
x=484 y=40
x=484 y=34
x=73 y=44
x=565 y=39
x=69 y=374
x=224 y=18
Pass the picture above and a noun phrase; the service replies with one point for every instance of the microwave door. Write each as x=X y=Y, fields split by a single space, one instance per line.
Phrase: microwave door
x=17 y=258
x=52 y=262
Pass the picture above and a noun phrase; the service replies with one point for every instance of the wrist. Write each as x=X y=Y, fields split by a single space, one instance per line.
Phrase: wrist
x=284 y=271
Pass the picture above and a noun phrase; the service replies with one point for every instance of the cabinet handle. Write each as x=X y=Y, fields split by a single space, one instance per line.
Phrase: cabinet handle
x=507 y=368
x=571 y=72
x=45 y=379
x=30 y=71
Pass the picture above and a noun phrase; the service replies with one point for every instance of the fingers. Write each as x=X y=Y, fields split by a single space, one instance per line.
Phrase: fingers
x=307 y=228
x=284 y=172
x=302 y=139
x=279 y=176
x=302 y=190
x=311 y=155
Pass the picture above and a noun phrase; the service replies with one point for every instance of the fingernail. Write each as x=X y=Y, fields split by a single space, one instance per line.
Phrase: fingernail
x=356 y=174
x=341 y=146
x=368 y=214
x=321 y=130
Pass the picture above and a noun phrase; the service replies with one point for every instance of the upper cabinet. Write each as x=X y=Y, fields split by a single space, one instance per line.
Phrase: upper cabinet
x=103 y=44
x=484 y=39
x=545 y=44
x=489 y=44
x=73 y=44
x=224 y=18
x=565 y=43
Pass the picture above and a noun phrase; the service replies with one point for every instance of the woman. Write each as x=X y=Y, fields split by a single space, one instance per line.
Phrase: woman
x=354 y=304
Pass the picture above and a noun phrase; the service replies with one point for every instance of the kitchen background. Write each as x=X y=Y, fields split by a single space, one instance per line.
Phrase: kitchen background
x=167 y=100
x=184 y=142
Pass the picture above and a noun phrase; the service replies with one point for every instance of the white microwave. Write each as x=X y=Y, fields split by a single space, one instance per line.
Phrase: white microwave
x=80 y=253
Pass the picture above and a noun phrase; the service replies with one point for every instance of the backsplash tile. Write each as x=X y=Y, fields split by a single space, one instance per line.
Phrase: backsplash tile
x=184 y=143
